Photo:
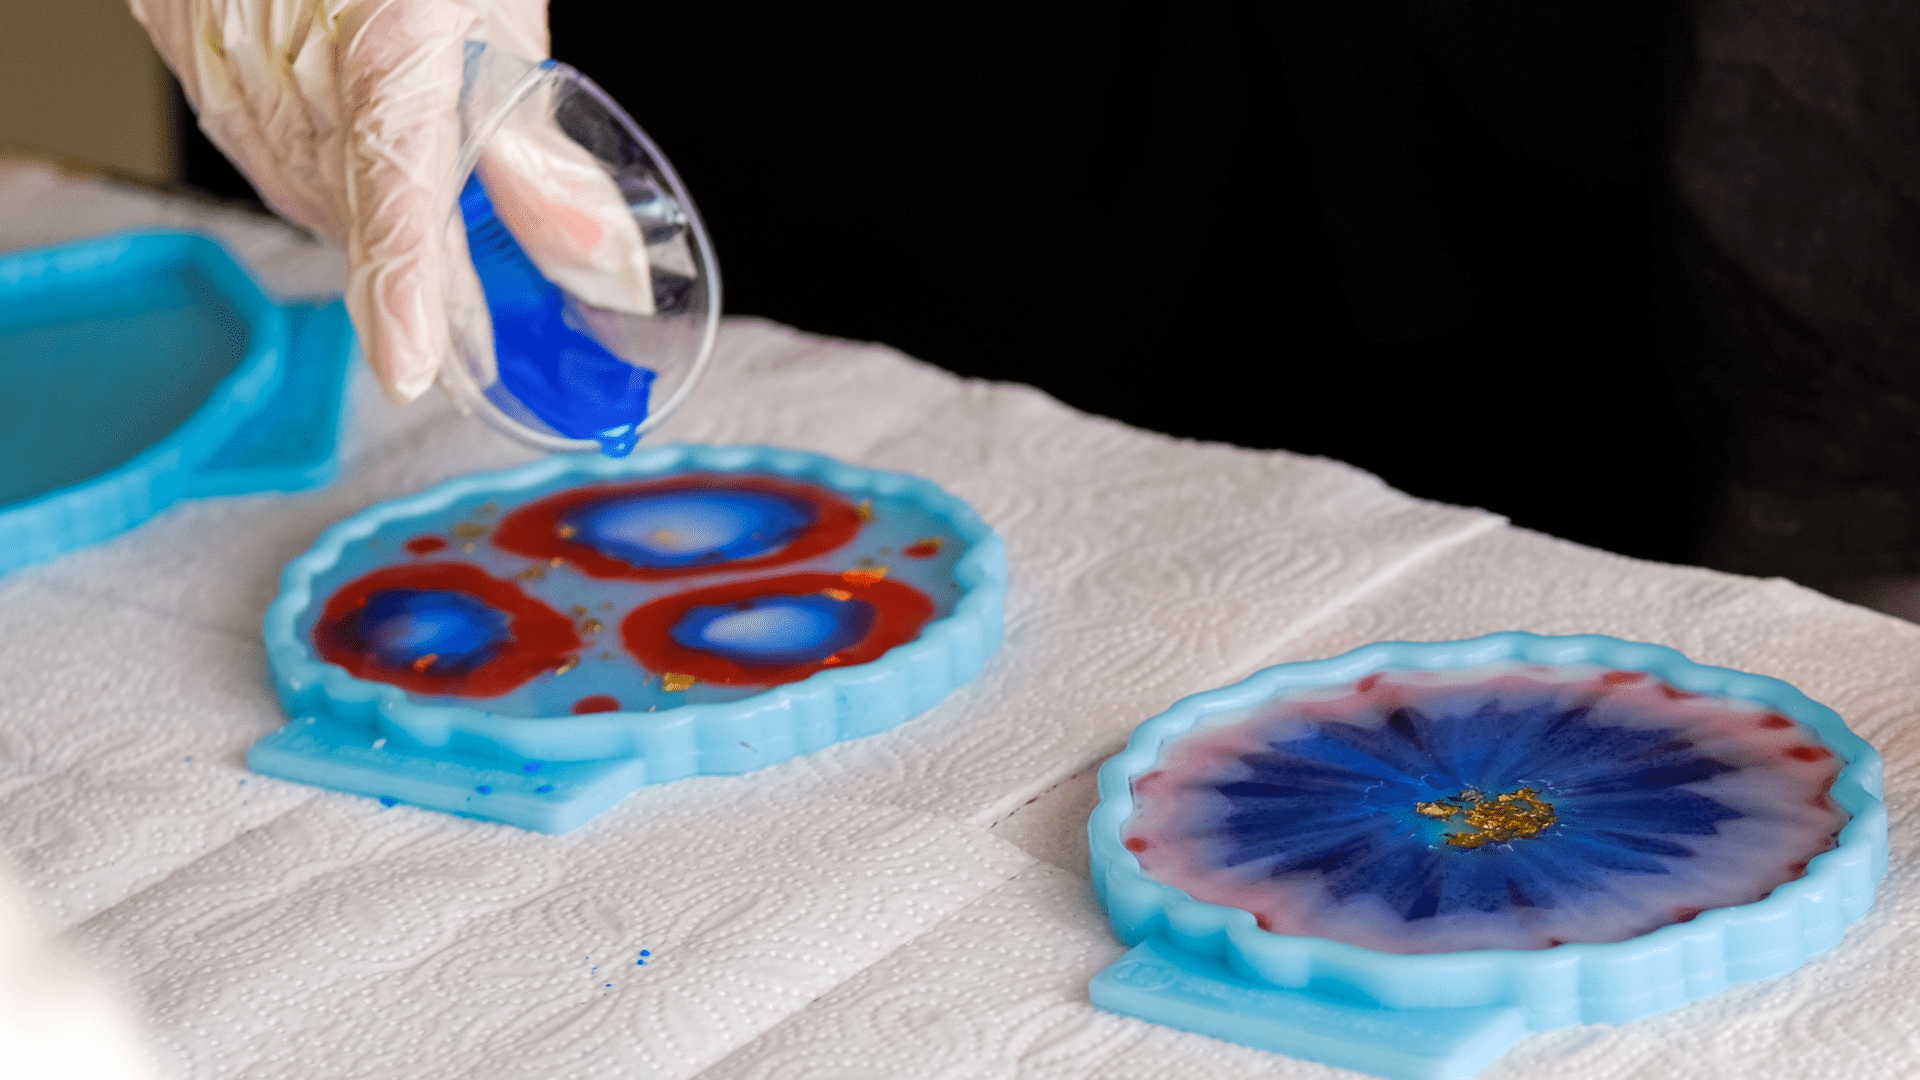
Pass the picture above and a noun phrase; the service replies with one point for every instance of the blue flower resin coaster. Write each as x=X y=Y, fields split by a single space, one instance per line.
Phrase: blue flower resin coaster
x=1400 y=860
x=529 y=646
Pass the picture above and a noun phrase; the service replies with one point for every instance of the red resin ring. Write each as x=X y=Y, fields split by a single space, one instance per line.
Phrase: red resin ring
x=538 y=530
x=900 y=610
x=542 y=638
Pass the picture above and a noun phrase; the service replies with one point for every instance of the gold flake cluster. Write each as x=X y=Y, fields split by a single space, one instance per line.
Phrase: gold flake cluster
x=1497 y=819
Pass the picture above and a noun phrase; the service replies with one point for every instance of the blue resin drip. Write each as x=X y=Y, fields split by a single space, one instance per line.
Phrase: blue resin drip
x=689 y=528
x=544 y=358
x=451 y=631
x=776 y=630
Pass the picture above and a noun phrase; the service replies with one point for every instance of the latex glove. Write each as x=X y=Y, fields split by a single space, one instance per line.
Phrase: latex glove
x=343 y=114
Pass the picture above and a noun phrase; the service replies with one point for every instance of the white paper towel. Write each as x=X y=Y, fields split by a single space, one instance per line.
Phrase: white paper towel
x=909 y=905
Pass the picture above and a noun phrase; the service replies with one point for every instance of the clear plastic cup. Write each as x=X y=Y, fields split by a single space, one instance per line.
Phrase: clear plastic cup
x=590 y=300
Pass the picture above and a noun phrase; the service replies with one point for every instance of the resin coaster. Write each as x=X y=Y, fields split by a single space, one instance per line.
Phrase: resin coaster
x=1400 y=860
x=147 y=367
x=529 y=646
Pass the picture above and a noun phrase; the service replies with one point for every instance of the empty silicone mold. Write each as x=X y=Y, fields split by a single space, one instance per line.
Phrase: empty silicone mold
x=141 y=368
x=1401 y=859
x=529 y=646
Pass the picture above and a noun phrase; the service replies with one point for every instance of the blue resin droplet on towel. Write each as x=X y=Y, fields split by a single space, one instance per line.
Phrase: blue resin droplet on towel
x=776 y=630
x=543 y=356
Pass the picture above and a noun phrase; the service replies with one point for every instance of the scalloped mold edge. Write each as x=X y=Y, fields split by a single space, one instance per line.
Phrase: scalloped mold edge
x=1202 y=966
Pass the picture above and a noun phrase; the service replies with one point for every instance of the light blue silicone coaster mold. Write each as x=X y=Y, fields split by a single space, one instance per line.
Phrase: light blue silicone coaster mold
x=145 y=367
x=522 y=757
x=1437 y=1016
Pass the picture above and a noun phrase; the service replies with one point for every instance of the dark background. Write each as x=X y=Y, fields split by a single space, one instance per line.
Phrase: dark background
x=1590 y=265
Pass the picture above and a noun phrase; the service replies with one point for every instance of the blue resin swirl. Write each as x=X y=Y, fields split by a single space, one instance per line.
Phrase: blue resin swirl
x=689 y=528
x=775 y=630
x=437 y=631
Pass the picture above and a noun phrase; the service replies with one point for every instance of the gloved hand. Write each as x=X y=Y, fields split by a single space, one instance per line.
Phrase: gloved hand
x=343 y=114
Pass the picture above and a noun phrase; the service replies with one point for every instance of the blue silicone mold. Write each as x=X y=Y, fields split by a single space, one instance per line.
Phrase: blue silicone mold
x=145 y=367
x=541 y=768
x=1210 y=968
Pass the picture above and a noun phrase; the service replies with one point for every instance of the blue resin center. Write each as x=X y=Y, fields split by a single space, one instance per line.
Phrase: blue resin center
x=689 y=528
x=438 y=631
x=1344 y=802
x=776 y=630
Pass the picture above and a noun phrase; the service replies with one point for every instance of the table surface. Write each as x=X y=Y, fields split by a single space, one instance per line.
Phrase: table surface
x=913 y=904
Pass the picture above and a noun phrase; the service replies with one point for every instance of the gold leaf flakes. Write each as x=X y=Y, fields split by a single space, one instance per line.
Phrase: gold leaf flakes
x=469 y=530
x=866 y=576
x=841 y=595
x=1516 y=815
x=673 y=682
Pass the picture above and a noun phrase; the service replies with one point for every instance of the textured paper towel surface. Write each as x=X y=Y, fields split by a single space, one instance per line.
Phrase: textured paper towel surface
x=908 y=905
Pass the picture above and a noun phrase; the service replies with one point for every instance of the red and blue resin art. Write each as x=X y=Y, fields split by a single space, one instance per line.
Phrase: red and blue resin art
x=567 y=631
x=442 y=625
x=1514 y=806
x=1401 y=859
x=653 y=530
x=442 y=628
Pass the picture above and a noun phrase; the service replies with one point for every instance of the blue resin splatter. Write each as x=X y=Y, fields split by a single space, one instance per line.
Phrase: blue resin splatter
x=690 y=528
x=443 y=631
x=776 y=630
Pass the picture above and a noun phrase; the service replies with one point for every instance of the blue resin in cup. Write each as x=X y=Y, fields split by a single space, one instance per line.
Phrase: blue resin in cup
x=592 y=299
